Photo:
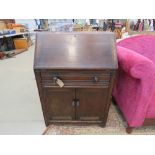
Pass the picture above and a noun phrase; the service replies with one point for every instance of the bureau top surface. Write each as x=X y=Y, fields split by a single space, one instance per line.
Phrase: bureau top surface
x=83 y=50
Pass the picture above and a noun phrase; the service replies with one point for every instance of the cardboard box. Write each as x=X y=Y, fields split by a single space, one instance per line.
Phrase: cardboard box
x=9 y=26
x=19 y=29
x=2 y=25
x=21 y=43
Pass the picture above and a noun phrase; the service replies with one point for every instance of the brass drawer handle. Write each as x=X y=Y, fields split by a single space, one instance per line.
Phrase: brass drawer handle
x=58 y=81
x=95 y=79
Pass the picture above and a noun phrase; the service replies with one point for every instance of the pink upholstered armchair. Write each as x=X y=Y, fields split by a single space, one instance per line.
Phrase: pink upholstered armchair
x=134 y=91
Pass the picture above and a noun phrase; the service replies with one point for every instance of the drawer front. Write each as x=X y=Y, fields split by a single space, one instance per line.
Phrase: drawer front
x=76 y=78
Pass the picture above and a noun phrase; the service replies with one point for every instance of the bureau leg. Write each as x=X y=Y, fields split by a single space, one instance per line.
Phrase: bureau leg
x=46 y=123
x=129 y=129
x=103 y=125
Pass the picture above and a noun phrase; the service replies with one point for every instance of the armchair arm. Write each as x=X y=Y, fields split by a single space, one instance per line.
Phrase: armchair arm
x=135 y=100
x=134 y=64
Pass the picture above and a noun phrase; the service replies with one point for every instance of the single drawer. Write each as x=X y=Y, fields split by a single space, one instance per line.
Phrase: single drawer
x=76 y=78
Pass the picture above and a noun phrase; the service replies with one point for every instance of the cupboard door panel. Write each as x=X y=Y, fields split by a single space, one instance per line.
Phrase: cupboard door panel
x=91 y=104
x=59 y=103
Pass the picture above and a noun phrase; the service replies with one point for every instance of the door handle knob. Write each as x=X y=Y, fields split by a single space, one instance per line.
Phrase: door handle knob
x=77 y=103
x=73 y=103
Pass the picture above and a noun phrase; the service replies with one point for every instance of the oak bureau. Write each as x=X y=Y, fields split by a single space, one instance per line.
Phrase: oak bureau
x=75 y=72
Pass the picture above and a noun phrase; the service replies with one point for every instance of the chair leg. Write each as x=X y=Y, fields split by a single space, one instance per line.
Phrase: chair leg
x=114 y=101
x=129 y=129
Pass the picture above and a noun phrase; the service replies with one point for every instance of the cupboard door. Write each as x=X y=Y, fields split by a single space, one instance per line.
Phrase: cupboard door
x=91 y=104
x=59 y=103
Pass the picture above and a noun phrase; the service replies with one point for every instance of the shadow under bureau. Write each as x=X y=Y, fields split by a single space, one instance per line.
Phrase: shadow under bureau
x=75 y=73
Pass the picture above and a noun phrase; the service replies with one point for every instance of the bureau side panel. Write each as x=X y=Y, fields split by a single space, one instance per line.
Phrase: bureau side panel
x=109 y=96
x=40 y=90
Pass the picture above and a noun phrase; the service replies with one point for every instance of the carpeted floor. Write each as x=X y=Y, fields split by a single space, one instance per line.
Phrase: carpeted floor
x=115 y=126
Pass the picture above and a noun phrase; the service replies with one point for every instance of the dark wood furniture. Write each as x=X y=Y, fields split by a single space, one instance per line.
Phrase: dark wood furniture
x=75 y=73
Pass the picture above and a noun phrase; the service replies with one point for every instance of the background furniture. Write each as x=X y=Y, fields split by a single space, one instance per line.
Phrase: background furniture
x=75 y=74
x=7 y=41
x=134 y=91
